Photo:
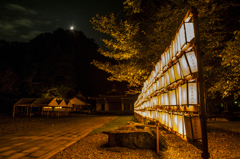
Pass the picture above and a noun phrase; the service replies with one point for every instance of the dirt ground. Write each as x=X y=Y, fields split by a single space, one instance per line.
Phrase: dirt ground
x=223 y=141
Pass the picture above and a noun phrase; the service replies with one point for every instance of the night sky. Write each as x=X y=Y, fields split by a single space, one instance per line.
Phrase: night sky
x=22 y=20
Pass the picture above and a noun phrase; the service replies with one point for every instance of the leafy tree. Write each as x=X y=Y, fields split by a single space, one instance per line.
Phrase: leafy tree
x=138 y=39
x=230 y=78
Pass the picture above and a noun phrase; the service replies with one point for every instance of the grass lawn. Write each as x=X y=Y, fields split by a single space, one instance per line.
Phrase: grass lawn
x=115 y=123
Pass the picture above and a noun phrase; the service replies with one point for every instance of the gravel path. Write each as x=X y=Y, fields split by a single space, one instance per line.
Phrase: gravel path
x=222 y=145
x=223 y=139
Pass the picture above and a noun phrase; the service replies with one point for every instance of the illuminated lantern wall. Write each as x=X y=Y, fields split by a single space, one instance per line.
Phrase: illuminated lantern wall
x=171 y=89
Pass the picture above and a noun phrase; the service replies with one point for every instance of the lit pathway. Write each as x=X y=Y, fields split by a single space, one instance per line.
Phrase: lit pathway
x=226 y=125
x=45 y=141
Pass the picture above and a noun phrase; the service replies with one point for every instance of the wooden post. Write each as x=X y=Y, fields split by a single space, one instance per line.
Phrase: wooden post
x=205 y=153
x=14 y=111
x=47 y=111
x=157 y=138
x=27 y=110
x=30 y=111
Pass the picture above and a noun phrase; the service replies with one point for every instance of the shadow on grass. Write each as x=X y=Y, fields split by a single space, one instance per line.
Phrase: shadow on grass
x=114 y=124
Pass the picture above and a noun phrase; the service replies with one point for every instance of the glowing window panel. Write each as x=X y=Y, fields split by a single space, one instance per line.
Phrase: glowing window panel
x=184 y=66
x=158 y=67
x=173 y=48
x=184 y=93
x=171 y=75
x=177 y=71
x=192 y=92
x=167 y=80
x=164 y=118
x=171 y=52
x=156 y=112
x=167 y=57
x=154 y=87
x=175 y=122
x=170 y=120
x=162 y=99
x=159 y=100
x=163 y=82
x=179 y=95
x=158 y=84
x=167 y=121
x=160 y=116
x=182 y=36
x=192 y=60
x=180 y=124
x=178 y=48
x=166 y=101
x=155 y=100
x=172 y=95
x=163 y=60
x=189 y=31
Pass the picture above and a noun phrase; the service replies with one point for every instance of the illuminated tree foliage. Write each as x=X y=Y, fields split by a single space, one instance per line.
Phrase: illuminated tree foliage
x=138 y=39
x=230 y=76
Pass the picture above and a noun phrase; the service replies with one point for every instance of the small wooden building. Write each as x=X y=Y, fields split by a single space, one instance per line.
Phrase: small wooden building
x=114 y=100
x=43 y=106
x=80 y=103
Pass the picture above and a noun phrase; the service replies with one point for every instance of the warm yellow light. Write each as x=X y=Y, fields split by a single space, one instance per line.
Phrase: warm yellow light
x=170 y=120
x=179 y=95
x=163 y=84
x=160 y=116
x=162 y=99
x=184 y=66
x=171 y=75
x=167 y=57
x=177 y=71
x=182 y=36
x=163 y=60
x=163 y=118
x=175 y=122
x=172 y=95
x=166 y=101
x=192 y=60
x=173 y=49
x=167 y=80
x=167 y=119
x=155 y=101
x=192 y=92
x=158 y=84
x=159 y=100
x=184 y=93
x=180 y=124
x=178 y=45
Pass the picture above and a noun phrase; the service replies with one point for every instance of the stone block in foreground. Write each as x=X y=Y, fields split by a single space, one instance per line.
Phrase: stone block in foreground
x=135 y=136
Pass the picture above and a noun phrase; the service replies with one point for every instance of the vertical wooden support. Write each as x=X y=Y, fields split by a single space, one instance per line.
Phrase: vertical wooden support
x=122 y=104
x=14 y=111
x=47 y=112
x=27 y=110
x=157 y=138
x=30 y=111
x=205 y=153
